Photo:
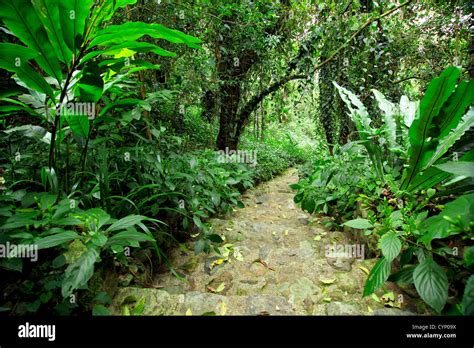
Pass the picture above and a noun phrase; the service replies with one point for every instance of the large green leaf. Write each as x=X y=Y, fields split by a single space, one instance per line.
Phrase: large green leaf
x=127 y=237
x=361 y=224
x=22 y=19
x=15 y=58
x=50 y=16
x=377 y=276
x=56 y=239
x=468 y=297
x=132 y=46
x=422 y=141
x=431 y=283
x=404 y=276
x=120 y=103
x=458 y=168
x=78 y=273
x=445 y=143
x=433 y=175
x=131 y=31
x=90 y=87
x=439 y=226
x=73 y=15
x=469 y=256
x=455 y=107
x=124 y=223
x=390 y=245
x=79 y=125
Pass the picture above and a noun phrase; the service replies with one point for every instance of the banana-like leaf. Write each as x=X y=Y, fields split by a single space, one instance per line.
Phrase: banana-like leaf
x=91 y=86
x=73 y=15
x=445 y=143
x=458 y=168
x=15 y=58
x=455 y=107
x=433 y=176
x=131 y=45
x=131 y=31
x=21 y=18
x=49 y=14
x=422 y=140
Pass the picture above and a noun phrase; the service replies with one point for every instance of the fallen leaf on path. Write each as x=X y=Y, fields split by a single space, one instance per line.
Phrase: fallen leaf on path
x=222 y=307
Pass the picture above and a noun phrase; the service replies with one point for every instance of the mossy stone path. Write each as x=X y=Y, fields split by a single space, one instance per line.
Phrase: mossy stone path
x=279 y=268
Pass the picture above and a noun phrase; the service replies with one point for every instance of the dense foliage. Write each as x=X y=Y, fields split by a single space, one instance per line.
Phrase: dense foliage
x=121 y=120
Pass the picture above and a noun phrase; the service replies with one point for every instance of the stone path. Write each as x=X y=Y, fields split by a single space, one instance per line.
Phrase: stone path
x=275 y=266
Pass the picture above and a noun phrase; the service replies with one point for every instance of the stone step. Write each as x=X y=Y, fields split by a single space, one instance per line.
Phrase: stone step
x=160 y=302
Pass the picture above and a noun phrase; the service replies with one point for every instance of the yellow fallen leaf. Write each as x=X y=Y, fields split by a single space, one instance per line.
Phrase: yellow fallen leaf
x=189 y=312
x=370 y=310
x=286 y=232
x=220 y=288
x=375 y=298
x=366 y=271
x=317 y=238
x=222 y=308
x=216 y=263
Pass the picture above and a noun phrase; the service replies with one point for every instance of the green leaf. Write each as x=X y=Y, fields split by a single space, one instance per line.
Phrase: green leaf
x=431 y=283
x=439 y=226
x=15 y=58
x=389 y=113
x=450 y=139
x=458 y=168
x=78 y=273
x=468 y=297
x=377 y=276
x=126 y=222
x=126 y=102
x=422 y=142
x=131 y=31
x=404 y=276
x=390 y=245
x=73 y=15
x=100 y=310
x=48 y=13
x=215 y=238
x=22 y=19
x=408 y=110
x=469 y=256
x=455 y=107
x=90 y=86
x=141 y=47
x=360 y=224
x=200 y=246
x=79 y=125
x=12 y=264
x=56 y=239
x=125 y=238
x=309 y=204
